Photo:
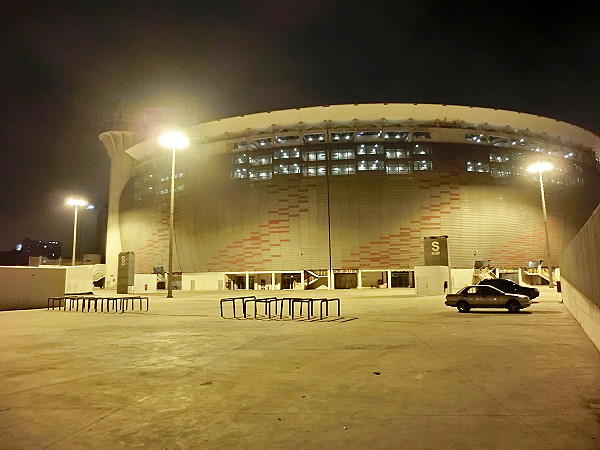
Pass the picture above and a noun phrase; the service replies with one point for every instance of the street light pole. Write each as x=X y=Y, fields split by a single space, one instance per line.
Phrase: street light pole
x=174 y=141
x=171 y=226
x=540 y=167
x=76 y=203
x=74 y=236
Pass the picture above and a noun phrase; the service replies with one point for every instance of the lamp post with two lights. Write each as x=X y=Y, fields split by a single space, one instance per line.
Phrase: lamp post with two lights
x=174 y=141
x=542 y=167
x=76 y=203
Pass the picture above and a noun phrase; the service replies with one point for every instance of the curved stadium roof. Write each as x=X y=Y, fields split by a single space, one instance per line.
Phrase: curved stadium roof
x=468 y=117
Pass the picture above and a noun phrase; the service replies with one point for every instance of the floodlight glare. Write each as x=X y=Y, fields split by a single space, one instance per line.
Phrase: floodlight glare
x=76 y=202
x=540 y=167
x=174 y=140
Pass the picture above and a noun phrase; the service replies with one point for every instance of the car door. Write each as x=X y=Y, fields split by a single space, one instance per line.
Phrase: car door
x=473 y=296
x=491 y=297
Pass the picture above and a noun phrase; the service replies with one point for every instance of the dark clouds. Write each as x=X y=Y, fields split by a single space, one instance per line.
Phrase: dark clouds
x=66 y=66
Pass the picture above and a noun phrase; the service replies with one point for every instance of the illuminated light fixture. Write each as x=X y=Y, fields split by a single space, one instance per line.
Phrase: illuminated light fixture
x=76 y=202
x=173 y=140
x=542 y=167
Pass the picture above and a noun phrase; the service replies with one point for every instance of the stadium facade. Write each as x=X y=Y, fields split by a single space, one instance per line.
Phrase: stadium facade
x=345 y=194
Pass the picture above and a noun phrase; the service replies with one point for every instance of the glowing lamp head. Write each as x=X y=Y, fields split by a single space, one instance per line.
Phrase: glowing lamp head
x=76 y=202
x=174 y=140
x=540 y=167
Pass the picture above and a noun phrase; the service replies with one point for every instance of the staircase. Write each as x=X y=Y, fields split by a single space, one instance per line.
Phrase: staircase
x=316 y=278
x=98 y=272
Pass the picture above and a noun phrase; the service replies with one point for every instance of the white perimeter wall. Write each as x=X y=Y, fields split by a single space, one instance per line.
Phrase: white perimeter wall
x=30 y=287
x=584 y=311
x=145 y=283
x=432 y=280
x=204 y=281
x=580 y=277
x=79 y=279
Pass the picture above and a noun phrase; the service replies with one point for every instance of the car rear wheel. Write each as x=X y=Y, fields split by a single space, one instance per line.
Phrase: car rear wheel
x=463 y=306
x=513 y=306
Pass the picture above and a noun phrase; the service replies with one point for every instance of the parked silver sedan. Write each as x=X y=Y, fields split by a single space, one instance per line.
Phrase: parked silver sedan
x=482 y=296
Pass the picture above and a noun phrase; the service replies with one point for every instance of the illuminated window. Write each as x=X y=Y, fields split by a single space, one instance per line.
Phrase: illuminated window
x=260 y=174
x=260 y=160
x=421 y=150
x=314 y=170
x=286 y=169
x=395 y=135
x=500 y=172
x=498 y=141
x=343 y=153
x=397 y=153
x=479 y=138
x=343 y=169
x=397 y=168
x=368 y=135
x=240 y=158
x=314 y=138
x=288 y=140
x=240 y=172
x=370 y=165
x=286 y=153
x=422 y=165
x=242 y=145
x=260 y=143
x=369 y=149
x=477 y=167
x=498 y=158
x=345 y=136
x=314 y=155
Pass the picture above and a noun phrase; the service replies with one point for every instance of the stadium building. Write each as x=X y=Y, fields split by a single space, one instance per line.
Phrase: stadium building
x=345 y=195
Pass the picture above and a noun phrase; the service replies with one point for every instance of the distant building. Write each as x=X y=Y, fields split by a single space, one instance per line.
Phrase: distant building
x=33 y=247
x=348 y=192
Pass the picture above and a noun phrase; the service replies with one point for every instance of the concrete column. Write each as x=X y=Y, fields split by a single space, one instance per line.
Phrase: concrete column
x=302 y=278
x=272 y=281
x=359 y=281
x=121 y=164
x=389 y=278
x=247 y=280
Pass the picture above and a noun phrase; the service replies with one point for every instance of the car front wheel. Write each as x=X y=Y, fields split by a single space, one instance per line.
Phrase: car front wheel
x=513 y=306
x=463 y=306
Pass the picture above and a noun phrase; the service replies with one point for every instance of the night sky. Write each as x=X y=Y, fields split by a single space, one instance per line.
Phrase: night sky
x=67 y=66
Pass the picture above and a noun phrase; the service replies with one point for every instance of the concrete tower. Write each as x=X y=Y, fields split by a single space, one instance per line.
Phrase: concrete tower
x=116 y=141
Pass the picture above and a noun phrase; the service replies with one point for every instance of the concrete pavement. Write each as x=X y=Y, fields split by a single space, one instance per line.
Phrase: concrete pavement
x=395 y=371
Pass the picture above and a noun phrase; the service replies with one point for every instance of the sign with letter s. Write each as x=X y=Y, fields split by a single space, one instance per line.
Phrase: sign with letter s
x=436 y=250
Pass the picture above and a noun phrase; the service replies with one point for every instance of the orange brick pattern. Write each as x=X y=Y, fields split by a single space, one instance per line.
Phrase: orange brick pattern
x=376 y=221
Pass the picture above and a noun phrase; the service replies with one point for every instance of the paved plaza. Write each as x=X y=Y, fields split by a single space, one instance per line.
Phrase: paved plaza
x=395 y=371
